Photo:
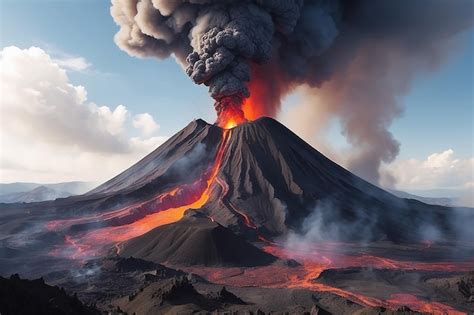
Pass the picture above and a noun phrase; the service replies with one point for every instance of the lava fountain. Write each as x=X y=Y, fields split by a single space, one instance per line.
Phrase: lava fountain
x=229 y=112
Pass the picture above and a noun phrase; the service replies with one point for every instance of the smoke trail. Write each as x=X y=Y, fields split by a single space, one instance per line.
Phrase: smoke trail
x=357 y=55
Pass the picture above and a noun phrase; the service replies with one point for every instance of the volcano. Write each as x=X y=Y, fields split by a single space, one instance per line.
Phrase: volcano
x=257 y=179
x=223 y=204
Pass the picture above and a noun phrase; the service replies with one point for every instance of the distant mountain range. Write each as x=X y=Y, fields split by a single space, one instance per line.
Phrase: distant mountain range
x=34 y=192
x=439 y=201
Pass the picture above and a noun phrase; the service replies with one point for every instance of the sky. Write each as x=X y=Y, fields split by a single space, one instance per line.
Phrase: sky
x=116 y=108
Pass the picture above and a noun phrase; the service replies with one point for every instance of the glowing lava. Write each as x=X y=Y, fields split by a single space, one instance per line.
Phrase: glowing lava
x=232 y=121
x=227 y=203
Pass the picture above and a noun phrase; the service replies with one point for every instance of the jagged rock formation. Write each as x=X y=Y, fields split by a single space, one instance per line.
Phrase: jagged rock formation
x=21 y=296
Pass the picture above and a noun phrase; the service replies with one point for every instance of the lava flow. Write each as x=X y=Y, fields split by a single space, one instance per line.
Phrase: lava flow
x=124 y=230
x=314 y=262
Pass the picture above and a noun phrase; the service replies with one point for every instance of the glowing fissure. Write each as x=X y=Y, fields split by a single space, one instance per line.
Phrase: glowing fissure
x=229 y=204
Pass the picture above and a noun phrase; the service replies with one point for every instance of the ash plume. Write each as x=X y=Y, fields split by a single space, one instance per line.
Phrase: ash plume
x=359 y=56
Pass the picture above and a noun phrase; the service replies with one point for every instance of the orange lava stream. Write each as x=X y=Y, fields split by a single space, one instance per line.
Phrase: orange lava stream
x=62 y=223
x=246 y=218
x=94 y=239
x=414 y=302
x=340 y=260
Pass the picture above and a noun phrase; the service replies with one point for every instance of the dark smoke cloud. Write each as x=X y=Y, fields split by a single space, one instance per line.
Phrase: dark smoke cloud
x=357 y=55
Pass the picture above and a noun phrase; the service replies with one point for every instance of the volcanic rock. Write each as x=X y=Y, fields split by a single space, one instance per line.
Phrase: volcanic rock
x=224 y=296
x=195 y=240
x=466 y=286
x=135 y=264
x=316 y=310
x=21 y=296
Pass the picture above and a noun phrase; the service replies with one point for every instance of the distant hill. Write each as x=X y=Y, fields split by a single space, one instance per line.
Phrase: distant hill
x=40 y=193
x=34 y=192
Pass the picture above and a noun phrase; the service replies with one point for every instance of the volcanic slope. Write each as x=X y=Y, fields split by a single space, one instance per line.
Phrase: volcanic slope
x=195 y=240
x=180 y=160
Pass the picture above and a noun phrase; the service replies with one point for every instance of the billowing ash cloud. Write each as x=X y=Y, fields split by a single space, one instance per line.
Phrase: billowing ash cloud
x=216 y=40
x=364 y=52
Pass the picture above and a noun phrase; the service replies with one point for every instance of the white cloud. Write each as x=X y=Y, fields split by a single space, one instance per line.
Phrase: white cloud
x=438 y=171
x=50 y=132
x=72 y=63
x=145 y=123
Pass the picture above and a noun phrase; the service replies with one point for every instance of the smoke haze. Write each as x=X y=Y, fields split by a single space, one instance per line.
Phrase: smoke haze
x=357 y=57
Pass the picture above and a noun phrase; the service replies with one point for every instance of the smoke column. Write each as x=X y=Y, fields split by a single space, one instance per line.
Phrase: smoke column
x=358 y=56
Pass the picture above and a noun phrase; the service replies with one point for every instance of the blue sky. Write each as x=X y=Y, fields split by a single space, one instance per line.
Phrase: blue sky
x=438 y=115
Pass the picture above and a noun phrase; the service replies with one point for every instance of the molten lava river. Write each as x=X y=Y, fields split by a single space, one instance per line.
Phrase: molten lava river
x=168 y=207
